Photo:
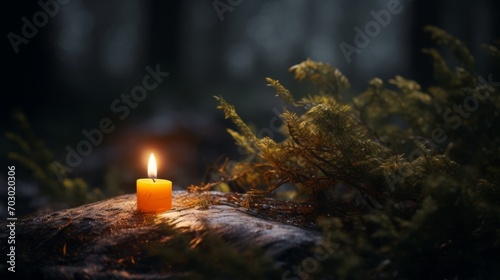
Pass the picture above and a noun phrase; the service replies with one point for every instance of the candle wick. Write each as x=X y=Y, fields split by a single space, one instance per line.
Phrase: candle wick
x=153 y=179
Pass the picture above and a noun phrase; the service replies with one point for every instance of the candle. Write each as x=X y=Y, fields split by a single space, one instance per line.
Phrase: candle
x=153 y=195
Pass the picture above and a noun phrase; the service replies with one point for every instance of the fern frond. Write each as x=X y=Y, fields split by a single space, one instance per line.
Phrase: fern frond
x=230 y=113
x=18 y=139
x=492 y=50
x=281 y=91
x=327 y=78
x=457 y=48
x=242 y=141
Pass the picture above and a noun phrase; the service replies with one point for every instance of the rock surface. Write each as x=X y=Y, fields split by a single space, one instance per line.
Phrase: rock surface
x=109 y=239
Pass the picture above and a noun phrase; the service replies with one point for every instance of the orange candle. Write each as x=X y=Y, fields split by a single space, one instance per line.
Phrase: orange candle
x=153 y=195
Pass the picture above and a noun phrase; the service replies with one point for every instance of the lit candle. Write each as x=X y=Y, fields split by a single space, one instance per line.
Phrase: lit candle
x=153 y=195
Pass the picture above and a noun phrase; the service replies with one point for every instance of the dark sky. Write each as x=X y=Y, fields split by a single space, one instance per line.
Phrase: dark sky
x=86 y=55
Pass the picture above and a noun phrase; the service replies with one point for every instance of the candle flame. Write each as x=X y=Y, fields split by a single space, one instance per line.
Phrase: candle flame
x=152 y=166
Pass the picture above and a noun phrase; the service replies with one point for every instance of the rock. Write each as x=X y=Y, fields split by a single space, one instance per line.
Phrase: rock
x=109 y=239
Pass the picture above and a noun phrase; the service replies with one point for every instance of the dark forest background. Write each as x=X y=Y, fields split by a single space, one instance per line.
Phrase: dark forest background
x=91 y=52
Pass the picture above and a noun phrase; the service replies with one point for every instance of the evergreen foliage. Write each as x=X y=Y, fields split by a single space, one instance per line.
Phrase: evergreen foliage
x=412 y=183
x=36 y=158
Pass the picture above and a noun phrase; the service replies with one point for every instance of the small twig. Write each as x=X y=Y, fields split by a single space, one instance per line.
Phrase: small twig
x=182 y=209
x=55 y=233
x=228 y=204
